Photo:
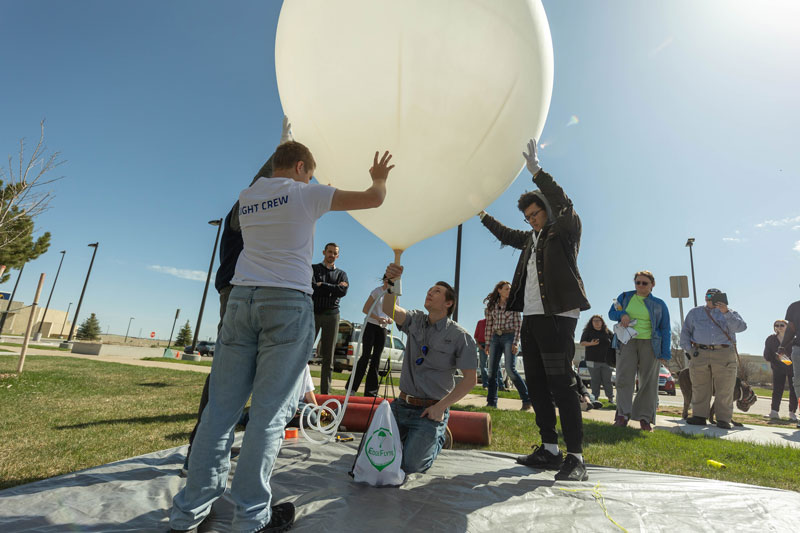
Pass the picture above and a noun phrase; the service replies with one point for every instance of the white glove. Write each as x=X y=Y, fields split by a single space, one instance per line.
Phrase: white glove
x=286 y=130
x=532 y=159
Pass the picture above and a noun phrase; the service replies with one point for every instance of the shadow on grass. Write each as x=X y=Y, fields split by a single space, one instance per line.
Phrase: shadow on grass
x=160 y=419
x=156 y=384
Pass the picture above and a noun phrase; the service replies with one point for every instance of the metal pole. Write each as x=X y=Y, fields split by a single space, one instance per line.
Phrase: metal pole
x=30 y=326
x=13 y=292
x=694 y=287
x=217 y=223
x=177 y=313
x=458 y=271
x=80 y=300
x=53 y=288
x=127 y=330
x=66 y=315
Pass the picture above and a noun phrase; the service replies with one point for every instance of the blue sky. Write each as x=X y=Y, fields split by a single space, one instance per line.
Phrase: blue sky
x=685 y=126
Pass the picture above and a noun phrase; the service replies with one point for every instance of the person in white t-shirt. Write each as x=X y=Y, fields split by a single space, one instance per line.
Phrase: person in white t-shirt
x=373 y=340
x=265 y=340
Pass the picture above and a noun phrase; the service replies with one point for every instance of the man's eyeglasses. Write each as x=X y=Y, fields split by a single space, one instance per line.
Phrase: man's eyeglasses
x=779 y=325
x=644 y=283
x=424 y=351
x=529 y=218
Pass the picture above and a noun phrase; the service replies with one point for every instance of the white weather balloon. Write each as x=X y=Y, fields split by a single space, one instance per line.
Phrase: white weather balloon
x=453 y=88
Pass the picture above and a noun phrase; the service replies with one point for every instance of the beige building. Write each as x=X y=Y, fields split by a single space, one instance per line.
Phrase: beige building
x=56 y=320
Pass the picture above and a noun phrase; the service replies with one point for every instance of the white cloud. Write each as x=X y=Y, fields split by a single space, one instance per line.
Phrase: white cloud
x=731 y=239
x=795 y=228
x=658 y=49
x=778 y=223
x=193 y=275
x=797 y=246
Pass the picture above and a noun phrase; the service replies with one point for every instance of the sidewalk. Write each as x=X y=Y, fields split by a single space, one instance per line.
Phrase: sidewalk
x=765 y=435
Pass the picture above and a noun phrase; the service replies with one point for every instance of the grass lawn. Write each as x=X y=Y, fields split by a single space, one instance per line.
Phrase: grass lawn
x=67 y=414
x=38 y=347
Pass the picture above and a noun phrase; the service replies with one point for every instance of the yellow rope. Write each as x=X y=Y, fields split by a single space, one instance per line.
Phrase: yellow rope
x=598 y=496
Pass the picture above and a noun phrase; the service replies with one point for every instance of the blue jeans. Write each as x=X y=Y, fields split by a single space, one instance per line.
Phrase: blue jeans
x=422 y=438
x=482 y=357
x=499 y=345
x=263 y=347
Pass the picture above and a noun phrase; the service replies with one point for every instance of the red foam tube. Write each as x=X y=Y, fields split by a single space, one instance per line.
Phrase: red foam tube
x=466 y=426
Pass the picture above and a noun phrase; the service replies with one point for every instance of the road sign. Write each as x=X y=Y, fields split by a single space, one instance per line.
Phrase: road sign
x=152 y=334
x=679 y=286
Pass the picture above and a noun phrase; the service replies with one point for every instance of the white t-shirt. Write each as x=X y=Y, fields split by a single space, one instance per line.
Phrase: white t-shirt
x=533 y=295
x=377 y=293
x=308 y=384
x=278 y=217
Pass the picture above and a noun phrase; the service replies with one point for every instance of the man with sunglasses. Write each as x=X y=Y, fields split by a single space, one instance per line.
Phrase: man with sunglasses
x=435 y=348
x=548 y=290
x=708 y=338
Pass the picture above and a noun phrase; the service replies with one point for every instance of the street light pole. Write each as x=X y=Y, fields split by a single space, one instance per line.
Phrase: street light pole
x=177 y=314
x=458 y=272
x=53 y=288
x=66 y=315
x=218 y=224
x=94 y=245
x=689 y=244
x=127 y=330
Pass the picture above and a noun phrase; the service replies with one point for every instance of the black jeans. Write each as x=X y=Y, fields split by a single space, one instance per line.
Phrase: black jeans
x=548 y=346
x=371 y=349
x=780 y=373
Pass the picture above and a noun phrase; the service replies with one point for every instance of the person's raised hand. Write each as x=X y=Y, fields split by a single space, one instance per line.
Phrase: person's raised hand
x=380 y=169
x=722 y=307
x=531 y=159
x=394 y=271
x=286 y=130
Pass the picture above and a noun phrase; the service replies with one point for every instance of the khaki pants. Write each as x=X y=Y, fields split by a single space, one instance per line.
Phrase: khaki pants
x=637 y=357
x=713 y=370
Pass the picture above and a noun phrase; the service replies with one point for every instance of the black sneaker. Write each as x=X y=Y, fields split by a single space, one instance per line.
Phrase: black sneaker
x=724 y=425
x=696 y=420
x=282 y=518
x=541 y=458
x=572 y=470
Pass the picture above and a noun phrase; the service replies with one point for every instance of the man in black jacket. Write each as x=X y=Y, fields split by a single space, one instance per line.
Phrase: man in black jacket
x=548 y=290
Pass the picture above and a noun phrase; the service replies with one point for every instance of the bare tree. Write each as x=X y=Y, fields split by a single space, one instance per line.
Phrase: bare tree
x=24 y=191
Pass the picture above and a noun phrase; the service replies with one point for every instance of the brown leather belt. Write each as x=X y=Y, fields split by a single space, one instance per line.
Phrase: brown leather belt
x=503 y=331
x=417 y=402
x=712 y=346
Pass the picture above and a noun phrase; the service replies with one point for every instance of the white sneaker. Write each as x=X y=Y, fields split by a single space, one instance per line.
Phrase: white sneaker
x=792 y=417
x=774 y=415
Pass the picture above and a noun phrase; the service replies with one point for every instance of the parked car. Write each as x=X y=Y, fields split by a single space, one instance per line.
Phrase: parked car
x=393 y=349
x=583 y=373
x=666 y=382
x=203 y=348
x=347 y=349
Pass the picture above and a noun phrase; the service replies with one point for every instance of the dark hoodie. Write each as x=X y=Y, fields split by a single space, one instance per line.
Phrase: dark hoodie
x=556 y=256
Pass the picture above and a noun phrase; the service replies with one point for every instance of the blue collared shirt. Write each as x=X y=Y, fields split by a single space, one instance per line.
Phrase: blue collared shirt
x=699 y=328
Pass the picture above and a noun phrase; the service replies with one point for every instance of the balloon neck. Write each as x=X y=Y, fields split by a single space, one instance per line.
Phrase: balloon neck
x=398 y=254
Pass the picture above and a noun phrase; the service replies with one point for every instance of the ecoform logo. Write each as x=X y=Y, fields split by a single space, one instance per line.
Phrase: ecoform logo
x=380 y=449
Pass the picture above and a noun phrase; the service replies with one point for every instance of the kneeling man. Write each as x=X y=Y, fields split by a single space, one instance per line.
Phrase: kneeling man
x=436 y=347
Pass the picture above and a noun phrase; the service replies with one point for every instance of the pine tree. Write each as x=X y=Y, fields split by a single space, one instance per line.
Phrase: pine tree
x=24 y=195
x=90 y=329
x=184 y=335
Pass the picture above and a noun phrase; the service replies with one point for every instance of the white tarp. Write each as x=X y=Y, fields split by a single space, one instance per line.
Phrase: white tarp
x=464 y=491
